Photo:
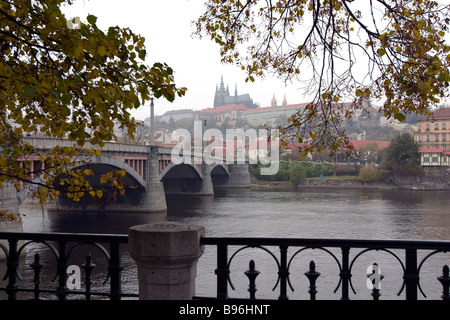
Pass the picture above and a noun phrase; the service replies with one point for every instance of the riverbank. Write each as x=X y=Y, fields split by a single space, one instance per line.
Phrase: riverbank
x=344 y=183
x=276 y=185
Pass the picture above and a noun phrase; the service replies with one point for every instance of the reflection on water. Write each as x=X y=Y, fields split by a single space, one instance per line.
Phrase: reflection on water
x=368 y=214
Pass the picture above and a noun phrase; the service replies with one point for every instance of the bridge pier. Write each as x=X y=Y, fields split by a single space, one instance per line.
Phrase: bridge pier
x=9 y=205
x=155 y=198
x=239 y=176
x=206 y=188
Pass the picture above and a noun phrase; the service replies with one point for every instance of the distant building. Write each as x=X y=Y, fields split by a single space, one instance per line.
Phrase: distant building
x=228 y=113
x=272 y=116
x=177 y=115
x=433 y=138
x=433 y=131
x=361 y=144
x=223 y=97
x=434 y=157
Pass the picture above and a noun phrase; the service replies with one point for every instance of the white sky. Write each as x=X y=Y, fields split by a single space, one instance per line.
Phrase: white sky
x=166 y=26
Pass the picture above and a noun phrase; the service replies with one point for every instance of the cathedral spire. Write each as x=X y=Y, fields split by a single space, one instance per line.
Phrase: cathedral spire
x=222 y=86
x=235 y=90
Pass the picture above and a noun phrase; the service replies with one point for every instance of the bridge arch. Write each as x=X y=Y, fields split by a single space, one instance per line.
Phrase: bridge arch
x=116 y=163
x=219 y=175
x=108 y=164
x=219 y=169
x=181 y=179
x=180 y=171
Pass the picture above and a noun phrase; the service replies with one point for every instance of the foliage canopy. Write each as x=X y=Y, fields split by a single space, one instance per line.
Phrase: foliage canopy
x=68 y=81
x=402 y=155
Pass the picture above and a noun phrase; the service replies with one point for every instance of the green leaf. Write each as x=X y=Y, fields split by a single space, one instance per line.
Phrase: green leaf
x=399 y=116
x=381 y=52
x=29 y=91
x=101 y=51
x=92 y=19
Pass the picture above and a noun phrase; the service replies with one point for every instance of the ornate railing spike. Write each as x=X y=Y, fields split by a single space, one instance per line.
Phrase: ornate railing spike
x=445 y=281
x=88 y=266
x=312 y=276
x=37 y=267
x=251 y=274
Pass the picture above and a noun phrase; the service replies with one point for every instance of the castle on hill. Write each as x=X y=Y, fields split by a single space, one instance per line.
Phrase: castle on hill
x=223 y=97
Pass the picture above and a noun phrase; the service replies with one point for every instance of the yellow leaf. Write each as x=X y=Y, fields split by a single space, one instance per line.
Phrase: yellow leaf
x=99 y=193
x=78 y=51
x=101 y=51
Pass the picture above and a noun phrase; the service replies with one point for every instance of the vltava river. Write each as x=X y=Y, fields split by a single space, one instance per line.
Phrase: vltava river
x=354 y=214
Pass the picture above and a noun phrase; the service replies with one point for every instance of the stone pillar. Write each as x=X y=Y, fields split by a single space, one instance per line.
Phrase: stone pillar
x=8 y=199
x=9 y=204
x=239 y=175
x=166 y=255
x=207 y=188
x=155 y=198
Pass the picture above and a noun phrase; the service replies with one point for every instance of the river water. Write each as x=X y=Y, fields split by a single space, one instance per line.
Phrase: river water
x=352 y=214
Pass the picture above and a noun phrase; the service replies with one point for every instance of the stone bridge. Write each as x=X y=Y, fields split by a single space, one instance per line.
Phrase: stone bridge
x=150 y=176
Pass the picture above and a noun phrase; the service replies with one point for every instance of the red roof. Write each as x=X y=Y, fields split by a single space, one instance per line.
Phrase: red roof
x=222 y=109
x=429 y=150
x=438 y=114
x=293 y=106
x=358 y=144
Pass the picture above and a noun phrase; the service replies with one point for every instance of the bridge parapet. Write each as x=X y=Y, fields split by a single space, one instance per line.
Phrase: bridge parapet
x=51 y=143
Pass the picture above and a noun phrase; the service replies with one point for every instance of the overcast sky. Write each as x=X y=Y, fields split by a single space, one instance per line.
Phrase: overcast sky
x=166 y=26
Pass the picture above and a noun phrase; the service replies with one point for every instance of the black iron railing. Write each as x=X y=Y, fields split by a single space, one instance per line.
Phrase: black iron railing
x=68 y=253
x=344 y=253
x=64 y=249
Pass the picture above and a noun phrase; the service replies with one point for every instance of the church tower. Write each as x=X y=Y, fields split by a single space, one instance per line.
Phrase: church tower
x=284 y=100
x=273 y=103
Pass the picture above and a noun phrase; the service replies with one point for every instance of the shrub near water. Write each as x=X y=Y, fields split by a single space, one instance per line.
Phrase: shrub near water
x=369 y=174
x=294 y=171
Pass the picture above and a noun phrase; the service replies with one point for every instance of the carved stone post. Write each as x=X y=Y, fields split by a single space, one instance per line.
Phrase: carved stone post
x=166 y=255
